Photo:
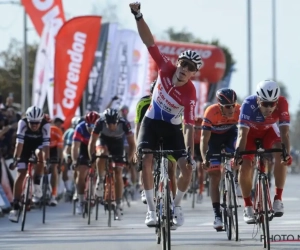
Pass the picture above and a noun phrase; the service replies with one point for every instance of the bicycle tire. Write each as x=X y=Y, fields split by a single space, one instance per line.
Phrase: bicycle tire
x=167 y=219
x=224 y=205
x=266 y=227
x=109 y=206
x=89 y=205
x=44 y=196
x=26 y=202
x=193 y=188
x=233 y=206
x=158 y=215
x=96 y=207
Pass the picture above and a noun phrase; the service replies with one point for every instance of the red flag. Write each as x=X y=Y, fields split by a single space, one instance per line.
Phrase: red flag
x=75 y=47
x=43 y=11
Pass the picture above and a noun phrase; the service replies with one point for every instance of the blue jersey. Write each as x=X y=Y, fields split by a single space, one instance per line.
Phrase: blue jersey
x=81 y=134
x=251 y=116
x=68 y=137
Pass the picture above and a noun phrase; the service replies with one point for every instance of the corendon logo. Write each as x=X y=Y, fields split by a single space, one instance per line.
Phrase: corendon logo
x=43 y=11
x=192 y=109
x=176 y=51
x=73 y=75
x=75 y=47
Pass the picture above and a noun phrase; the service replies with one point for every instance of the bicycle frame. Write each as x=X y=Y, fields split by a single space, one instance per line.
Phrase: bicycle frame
x=258 y=200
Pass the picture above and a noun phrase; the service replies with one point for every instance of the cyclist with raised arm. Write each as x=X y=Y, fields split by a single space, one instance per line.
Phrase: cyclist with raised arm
x=80 y=156
x=258 y=118
x=33 y=137
x=173 y=96
x=219 y=127
x=141 y=108
x=108 y=136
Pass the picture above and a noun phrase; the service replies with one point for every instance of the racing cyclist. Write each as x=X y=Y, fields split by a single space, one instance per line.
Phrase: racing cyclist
x=66 y=173
x=174 y=95
x=80 y=156
x=141 y=108
x=108 y=137
x=56 y=150
x=258 y=118
x=219 y=127
x=33 y=134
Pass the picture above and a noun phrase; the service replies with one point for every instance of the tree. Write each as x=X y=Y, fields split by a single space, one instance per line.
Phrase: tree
x=11 y=71
x=185 y=36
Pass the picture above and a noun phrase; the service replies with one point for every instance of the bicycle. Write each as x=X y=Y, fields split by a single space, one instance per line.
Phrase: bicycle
x=89 y=194
x=27 y=190
x=109 y=185
x=263 y=210
x=46 y=193
x=164 y=201
x=229 y=202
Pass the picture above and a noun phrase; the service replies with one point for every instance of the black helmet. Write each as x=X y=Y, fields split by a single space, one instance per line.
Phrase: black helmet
x=226 y=96
x=111 y=115
x=152 y=86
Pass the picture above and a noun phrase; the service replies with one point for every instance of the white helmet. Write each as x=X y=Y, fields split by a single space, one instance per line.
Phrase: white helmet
x=192 y=56
x=34 y=114
x=268 y=90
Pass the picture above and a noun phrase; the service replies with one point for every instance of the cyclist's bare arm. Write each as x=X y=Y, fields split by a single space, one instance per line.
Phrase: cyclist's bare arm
x=205 y=137
x=242 y=138
x=189 y=137
x=18 y=150
x=67 y=150
x=19 y=139
x=131 y=143
x=46 y=140
x=75 y=150
x=137 y=130
x=92 y=144
x=143 y=28
x=285 y=136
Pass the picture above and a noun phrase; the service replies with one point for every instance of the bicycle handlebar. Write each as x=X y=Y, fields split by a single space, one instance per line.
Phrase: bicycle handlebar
x=262 y=151
x=222 y=154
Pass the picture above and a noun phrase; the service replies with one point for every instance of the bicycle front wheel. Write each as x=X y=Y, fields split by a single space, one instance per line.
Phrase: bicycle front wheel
x=90 y=199
x=233 y=207
x=167 y=219
x=194 y=189
x=265 y=221
x=44 y=197
x=26 y=202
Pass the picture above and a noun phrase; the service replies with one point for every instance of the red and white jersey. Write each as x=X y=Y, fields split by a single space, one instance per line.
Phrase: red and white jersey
x=169 y=102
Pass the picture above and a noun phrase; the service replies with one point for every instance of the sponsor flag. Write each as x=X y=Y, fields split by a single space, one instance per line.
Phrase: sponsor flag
x=75 y=47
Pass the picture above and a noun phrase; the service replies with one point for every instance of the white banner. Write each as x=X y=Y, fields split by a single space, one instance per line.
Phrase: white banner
x=39 y=86
x=49 y=72
x=108 y=86
x=139 y=83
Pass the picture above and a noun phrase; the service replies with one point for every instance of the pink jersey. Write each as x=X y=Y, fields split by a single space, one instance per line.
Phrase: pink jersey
x=169 y=102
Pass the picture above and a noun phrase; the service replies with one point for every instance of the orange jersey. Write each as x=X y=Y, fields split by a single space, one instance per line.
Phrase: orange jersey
x=56 y=137
x=214 y=121
x=197 y=132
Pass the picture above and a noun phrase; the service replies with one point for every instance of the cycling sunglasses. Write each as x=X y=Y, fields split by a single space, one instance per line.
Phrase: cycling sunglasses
x=191 y=67
x=268 y=104
x=90 y=125
x=33 y=123
x=228 y=106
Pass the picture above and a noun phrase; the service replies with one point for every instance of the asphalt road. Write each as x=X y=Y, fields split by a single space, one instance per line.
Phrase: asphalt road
x=65 y=231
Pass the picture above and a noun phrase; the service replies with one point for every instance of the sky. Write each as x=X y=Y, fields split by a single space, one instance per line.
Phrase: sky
x=225 y=20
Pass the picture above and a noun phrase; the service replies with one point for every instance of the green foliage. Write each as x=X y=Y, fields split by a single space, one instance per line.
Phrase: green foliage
x=11 y=69
x=185 y=36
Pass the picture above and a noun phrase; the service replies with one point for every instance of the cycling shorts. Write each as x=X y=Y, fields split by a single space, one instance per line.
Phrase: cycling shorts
x=197 y=153
x=269 y=138
x=27 y=153
x=152 y=130
x=115 y=146
x=215 y=145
